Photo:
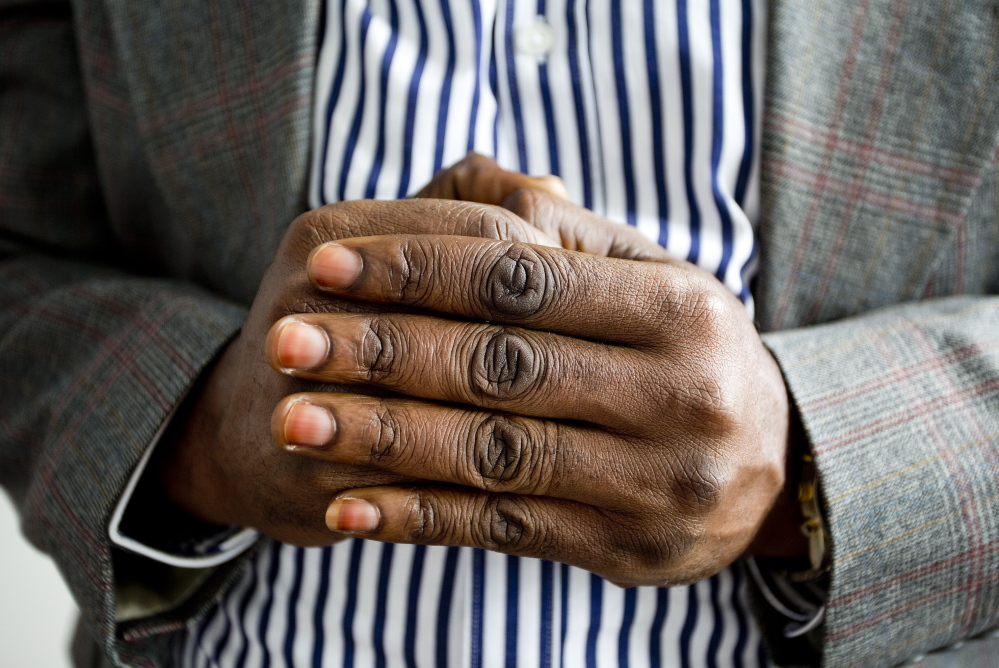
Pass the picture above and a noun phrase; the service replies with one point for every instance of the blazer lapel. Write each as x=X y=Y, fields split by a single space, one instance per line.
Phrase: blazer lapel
x=880 y=119
x=223 y=104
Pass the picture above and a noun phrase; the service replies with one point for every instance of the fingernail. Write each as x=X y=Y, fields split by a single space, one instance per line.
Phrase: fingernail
x=334 y=266
x=353 y=515
x=308 y=425
x=301 y=346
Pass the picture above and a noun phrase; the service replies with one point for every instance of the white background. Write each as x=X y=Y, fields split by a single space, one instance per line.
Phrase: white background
x=37 y=614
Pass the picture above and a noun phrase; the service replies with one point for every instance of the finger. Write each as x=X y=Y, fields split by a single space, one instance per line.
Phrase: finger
x=362 y=218
x=539 y=288
x=490 y=366
x=578 y=228
x=623 y=549
x=527 y=526
x=491 y=451
x=477 y=178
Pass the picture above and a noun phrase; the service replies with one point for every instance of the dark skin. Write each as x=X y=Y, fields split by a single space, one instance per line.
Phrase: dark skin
x=598 y=403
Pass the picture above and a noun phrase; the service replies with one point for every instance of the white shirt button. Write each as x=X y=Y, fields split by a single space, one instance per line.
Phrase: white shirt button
x=535 y=39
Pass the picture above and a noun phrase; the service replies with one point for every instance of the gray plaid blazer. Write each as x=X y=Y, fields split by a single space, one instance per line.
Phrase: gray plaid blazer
x=151 y=155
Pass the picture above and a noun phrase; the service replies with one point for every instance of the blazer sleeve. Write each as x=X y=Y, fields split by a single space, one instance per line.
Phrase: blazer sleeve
x=93 y=355
x=901 y=408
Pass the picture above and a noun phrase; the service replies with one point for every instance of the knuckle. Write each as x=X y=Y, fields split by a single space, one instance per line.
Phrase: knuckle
x=708 y=308
x=409 y=277
x=327 y=223
x=462 y=174
x=505 y=365
x=524 y=202
x=652 y=557
x=424 y=524
x=490 y=222
x=465 y=174
x=706 y=403
x=501 y=451
x=696 y=484
x=386 y=446
x=507 y=526
x=518 y=284
x=382 y=344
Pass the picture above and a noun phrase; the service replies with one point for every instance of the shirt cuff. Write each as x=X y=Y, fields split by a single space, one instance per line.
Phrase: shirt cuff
x=206 y=552
x=801 y=604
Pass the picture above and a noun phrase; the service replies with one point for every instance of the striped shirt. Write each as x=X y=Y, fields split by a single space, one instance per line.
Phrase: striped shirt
x=649 y=110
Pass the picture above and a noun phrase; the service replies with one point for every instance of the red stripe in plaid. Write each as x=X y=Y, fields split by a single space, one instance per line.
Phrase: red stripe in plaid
x=26 y=280
x=133 y=634
x=972 y=420
x=256 y=94
x=63 y=440
x=907 y=607
x=943 y=564
x=135 y=658
x=955 y=356
x=71 y=546
x=99 y=336
x=120 y=349
x=784 y=124
x=983 y=389
x=154 y=333
x=172 y=155
x=231 y=132
x=105 y=98
x=63 y=318
x=16 y=433
x=212 y=101
x=860 y=175
x=956 y=473
x=834 y=186
x=829 y=153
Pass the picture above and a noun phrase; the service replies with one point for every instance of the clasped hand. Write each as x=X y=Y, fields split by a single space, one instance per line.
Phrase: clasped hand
x=545 y=384
x=616 y=415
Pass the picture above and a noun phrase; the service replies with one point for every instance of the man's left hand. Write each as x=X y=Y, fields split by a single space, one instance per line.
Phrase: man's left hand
x=620 y=416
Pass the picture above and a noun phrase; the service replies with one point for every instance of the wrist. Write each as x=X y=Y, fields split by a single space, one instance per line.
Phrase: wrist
x=780 y=534
x=184 y=466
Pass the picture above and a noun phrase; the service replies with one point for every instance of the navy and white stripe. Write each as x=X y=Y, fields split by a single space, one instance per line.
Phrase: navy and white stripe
x=364 y=604
x=649 y=110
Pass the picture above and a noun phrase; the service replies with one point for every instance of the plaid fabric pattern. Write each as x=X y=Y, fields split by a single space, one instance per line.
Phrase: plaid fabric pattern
x=144 y=186
x=874 y=196
x=151 y=156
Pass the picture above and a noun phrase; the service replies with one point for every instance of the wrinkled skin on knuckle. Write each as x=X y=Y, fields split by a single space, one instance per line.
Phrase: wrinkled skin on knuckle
x=706 y=404
x=506 y=526
x=662 y=553
x=464 y=174
x=517 y=284
x=381 y=346
x=424 y=524
x=409 y=276
x=689 y=306
x=696 y=484
x=496 y=223
x=529 y=204
x=505 y=365
x=490 y=223
x=386 y=445
x=329 y=223
x=504 y=456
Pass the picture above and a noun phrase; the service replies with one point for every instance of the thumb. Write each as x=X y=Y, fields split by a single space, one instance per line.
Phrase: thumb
x=477 y=178
x=579 y=229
